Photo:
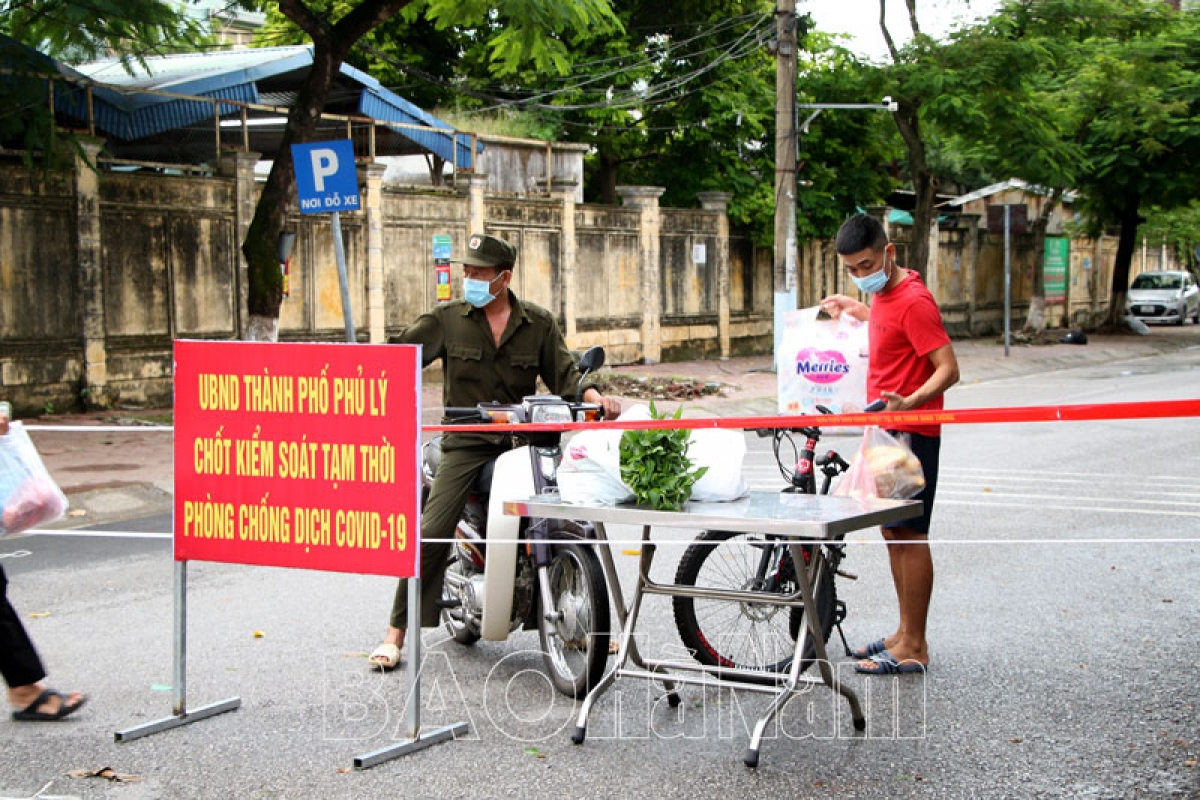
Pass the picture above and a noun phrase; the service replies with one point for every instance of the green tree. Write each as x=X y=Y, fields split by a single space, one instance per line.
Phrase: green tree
x=1118 y=85
x=1179 y=229
x=534 y=30
x=845 y=155
x=1004 y=111
x=72 y=32
x=913 y=78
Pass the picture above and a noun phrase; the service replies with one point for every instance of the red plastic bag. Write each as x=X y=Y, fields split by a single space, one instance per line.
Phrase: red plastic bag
x=29 y=497
x=884 y=466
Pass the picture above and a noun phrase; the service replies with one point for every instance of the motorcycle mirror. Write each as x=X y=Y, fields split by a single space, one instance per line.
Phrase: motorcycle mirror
x=592 y=360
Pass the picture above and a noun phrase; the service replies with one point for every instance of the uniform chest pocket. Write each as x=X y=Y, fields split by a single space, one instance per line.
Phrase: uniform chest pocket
x=523 y=360
x=464 y=352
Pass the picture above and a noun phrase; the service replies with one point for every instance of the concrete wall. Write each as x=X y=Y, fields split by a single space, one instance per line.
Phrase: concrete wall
x=967 y=276
x=101 y=271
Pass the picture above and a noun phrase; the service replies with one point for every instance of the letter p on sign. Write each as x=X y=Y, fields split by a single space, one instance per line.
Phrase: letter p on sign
x=324 y=164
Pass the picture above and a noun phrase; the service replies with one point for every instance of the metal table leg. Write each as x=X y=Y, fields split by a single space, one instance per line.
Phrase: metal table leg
x=812 y=627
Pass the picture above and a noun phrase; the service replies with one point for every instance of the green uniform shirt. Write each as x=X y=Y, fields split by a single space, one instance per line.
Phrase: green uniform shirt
x=475 y=370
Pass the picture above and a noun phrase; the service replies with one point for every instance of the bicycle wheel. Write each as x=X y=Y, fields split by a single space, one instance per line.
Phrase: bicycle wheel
x=746 y=635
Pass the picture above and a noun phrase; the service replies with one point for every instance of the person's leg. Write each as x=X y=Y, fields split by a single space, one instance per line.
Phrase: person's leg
x=447 y=496
x=20 y=665
x=912 y=562
x=912 y=574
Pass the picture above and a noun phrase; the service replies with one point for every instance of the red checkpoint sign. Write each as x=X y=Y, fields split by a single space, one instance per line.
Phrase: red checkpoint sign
x=298 y=455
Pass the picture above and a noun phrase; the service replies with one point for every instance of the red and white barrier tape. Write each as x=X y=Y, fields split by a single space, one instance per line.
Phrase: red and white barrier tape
x=1157 y=409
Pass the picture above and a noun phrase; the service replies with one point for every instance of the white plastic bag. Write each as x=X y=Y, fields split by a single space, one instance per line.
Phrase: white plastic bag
x=29 y=497
x=590 y=471
x=723 y=452
x=821 y=362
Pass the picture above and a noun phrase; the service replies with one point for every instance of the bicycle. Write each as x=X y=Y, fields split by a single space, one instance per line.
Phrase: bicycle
x=760 y=636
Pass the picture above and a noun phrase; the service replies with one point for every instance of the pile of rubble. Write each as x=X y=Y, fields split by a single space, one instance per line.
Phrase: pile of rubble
x=648 y=387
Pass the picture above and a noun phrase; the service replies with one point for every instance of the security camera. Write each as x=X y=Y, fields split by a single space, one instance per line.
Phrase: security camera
x=890 y=104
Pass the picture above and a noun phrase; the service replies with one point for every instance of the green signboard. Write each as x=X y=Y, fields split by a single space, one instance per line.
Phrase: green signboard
x=1054 y=268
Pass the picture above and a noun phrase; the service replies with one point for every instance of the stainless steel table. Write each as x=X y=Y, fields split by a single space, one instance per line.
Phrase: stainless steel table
x=801 y=519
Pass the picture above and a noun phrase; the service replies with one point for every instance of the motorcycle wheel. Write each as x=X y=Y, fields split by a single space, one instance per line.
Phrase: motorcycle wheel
x=575 y=647
x=452 y=615
x=744 y=635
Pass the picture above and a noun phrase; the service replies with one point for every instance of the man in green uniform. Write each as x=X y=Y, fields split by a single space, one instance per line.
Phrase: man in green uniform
x=493 y=347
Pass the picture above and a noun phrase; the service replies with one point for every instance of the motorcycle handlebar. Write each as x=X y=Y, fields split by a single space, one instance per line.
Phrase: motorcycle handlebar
x=465 y=414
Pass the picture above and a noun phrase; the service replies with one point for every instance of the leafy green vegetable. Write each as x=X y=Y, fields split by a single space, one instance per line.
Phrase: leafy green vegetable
x=654 y=464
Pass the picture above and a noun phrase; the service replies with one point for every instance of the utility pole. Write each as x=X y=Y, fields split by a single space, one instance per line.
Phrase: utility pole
x=785 y=163
x=785 y=151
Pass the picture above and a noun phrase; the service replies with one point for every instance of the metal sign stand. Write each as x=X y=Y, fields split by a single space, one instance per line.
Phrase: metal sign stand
x=416 y=739
x=179 y=689
x=339 y=249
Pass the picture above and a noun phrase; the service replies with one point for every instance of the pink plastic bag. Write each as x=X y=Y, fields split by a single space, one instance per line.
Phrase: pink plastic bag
x=884 y=466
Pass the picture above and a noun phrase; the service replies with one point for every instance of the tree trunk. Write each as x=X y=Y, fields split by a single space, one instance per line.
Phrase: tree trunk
x=924 y=187
x=606 y=178
x=270 y=215
x=1126 y=244
x=330 y=45
x=436 y=165
x=1035 y=320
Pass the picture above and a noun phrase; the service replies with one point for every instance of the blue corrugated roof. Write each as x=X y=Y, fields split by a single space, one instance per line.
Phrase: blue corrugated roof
x=127 y=111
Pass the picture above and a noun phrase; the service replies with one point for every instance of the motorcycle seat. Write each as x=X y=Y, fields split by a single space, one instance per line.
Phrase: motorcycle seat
x=432 y=459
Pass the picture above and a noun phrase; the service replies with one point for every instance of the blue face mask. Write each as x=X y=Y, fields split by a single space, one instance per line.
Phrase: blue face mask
x=873 y=283
x=476 y=292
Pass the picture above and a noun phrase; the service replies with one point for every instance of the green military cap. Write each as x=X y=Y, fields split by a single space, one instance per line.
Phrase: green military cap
x=488 y=251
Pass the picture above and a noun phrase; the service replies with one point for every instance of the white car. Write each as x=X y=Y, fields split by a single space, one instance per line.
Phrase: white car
x=1167 y=296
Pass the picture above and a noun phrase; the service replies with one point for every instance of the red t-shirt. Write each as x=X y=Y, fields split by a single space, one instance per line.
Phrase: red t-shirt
x=904 y=328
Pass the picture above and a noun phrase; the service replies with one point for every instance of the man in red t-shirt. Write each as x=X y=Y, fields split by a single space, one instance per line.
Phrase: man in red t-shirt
x=911 y=365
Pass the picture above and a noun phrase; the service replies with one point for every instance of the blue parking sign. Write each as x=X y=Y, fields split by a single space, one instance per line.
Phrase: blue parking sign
x=326 y=178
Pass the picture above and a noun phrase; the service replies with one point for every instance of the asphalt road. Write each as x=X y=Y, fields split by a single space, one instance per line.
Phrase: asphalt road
x=1063 y=631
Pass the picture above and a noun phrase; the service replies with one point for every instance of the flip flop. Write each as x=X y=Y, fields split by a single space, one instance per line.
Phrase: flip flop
x=385 y=657
x=873 y=648
x=885 y=663
x=31 y=714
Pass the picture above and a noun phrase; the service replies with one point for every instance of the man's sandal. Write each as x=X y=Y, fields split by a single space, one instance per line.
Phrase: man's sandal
x=31 y=713
x=886 y=664
x=874 y=648
x=385 y=657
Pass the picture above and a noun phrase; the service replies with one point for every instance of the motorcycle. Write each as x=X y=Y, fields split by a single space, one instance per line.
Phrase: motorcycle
x=507 y=573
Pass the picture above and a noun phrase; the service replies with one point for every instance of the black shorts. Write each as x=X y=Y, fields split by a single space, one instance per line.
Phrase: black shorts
x=926 y=449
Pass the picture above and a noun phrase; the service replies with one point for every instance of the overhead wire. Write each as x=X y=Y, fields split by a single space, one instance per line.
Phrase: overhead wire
x=740 y=47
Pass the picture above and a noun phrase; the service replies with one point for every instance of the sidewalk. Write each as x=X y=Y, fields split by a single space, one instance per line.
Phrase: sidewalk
x=113 y=475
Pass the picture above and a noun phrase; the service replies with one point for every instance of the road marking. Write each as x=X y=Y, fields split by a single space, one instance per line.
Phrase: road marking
x=990 y=503
x=102 y=534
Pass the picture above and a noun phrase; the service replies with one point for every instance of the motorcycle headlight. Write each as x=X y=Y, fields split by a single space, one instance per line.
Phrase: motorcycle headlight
x=550 y=412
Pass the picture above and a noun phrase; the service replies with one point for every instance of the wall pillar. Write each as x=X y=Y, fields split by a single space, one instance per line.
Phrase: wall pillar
x=89 y=251
x=645 y=199
x=719 y=202
x=933 y=277
x=371 y=175
x=473 y=185
x=564 y=190
x=240 y=166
